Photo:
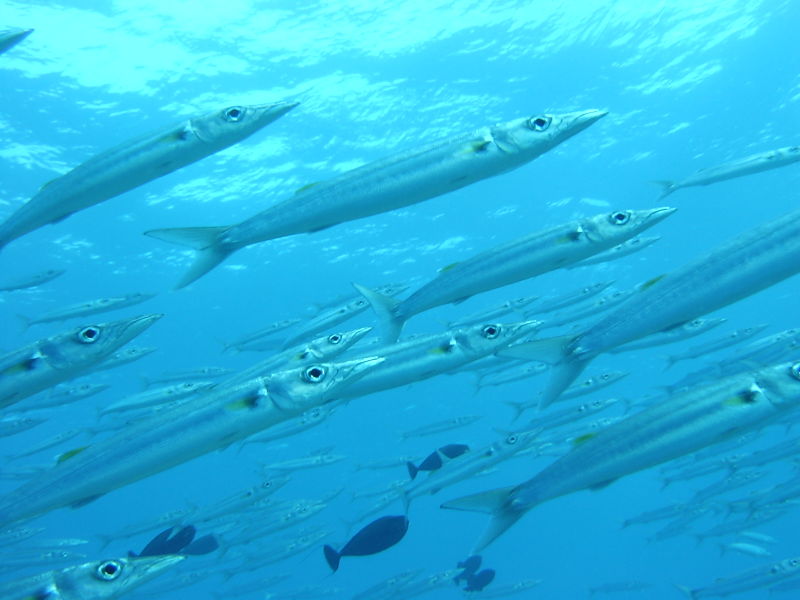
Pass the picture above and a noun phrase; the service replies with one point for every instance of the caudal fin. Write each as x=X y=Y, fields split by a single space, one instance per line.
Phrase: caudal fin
x=384 y=307
x=332 y=557
x=553 y=351
x=494 y=502
x=205 y=240
x=667 y=187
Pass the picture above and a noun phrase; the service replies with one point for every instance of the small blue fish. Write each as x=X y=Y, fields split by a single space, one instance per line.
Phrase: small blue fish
x=470 y=566
x=375 y=537
x=476 y=583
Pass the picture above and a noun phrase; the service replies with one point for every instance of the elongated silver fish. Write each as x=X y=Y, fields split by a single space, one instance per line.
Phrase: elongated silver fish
x=136 y=162
x=90 y=307
x=672 y=335
x=748 y=263
x=759 y=577
x=732 y=338
x=525 y=257
x=428 y=355
x=12 y=37
x=49 y=361
x=667 y=430
x=755 y=163
x=399 y=180
x=493 y=313
x=624 y=249
x=28 y=281
x=212 y=421
x=96 y=580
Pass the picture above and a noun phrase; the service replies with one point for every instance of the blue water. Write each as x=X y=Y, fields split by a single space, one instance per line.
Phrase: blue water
x=688 y=85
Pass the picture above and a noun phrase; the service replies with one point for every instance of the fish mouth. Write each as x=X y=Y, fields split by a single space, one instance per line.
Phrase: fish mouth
x=151 y=565
x=578 y=121
x=137 y=325
x=659 y=214
x=520 y=328
x=271 y=112
x=355 y=369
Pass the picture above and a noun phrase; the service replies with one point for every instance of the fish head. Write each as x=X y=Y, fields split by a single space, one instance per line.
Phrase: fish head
x=530 y=136
x=112 y=577
x=225 y=127
x=482 y=340
x=330 y=346
x=315 y=384
x=781 y=383
x=610 y=229
x=92 y=343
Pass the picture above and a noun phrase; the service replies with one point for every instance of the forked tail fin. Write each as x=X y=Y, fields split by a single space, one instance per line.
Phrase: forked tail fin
x=205 y=240
x=384 y=307
x=494 y=502
x=667 y=187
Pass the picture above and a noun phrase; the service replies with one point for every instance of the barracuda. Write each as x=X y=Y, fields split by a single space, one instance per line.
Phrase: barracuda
x=12 y=37
x=748 y=263
x=212 y=421
x=97 y=580
x=667 y=430
x=44 y=363
x=426 y=356
x=136 y=162
x=525 y=257
x=394 y=182
x=91 y=307
x=756 y=163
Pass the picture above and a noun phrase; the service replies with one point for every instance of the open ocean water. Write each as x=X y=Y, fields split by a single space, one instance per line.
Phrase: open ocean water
x=688 y=84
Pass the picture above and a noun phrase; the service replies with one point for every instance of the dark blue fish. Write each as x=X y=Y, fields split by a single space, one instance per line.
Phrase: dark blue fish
x=167 y=543
x=434 y=460
x=476 y=583
x=470 y=566
x=202 y=545
x=376 y=537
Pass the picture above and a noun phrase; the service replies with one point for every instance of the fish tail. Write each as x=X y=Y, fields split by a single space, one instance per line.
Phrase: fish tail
x=412 y=469
x=686 y=591
x=26 y=321
x=332 y=557
x=494 y=502
x=519 y=408
x=384 y=307
x=205 y=240
x=667 y=187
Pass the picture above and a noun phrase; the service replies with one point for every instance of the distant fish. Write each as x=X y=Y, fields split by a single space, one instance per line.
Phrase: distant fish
x=29 y=281
x=12 y=37
x=434 y=460
x=428 y=170
x=136 y=162
x=755 y=163
x=91 y=307
x=381 y=534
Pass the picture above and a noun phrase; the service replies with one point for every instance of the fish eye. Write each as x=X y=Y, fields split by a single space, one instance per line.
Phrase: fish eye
x=335 y=338
x=233 y=114
x=511 y=439
x=620 y=217
x=314 y=374
x=89 y=335
x=539 y=123
x=794 y=370
x=490 y=331
x=108 y=570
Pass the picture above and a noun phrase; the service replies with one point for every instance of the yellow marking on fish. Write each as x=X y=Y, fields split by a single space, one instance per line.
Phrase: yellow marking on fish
x=247 y=402
x=651 y=282
x=306 y=187
x=572 y=236
x=24 y=366
x=449 y=267
x=744 y=397
x=583 y=438
x=69 y=454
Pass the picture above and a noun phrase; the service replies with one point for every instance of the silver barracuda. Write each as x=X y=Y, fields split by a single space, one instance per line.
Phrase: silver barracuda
x=429 y=355
x=136 y=162
x=400 y=180
x=91 y=307
x=677 y=426
x=212 y=421
x=29 y=281
x=755 y=163
x=49 y=361
x=758 y=577
x=670 y=336
x=748 y=263
x=12 y=37
x=731 y=339
x=96 y=580
x=618 y=251
x=528 y=256
x=321 y=349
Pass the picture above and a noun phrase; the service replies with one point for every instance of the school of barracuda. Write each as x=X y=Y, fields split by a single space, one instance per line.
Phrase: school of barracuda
x=316 y=366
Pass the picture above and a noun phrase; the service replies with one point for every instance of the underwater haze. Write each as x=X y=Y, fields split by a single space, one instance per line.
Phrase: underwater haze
x=687 y=85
